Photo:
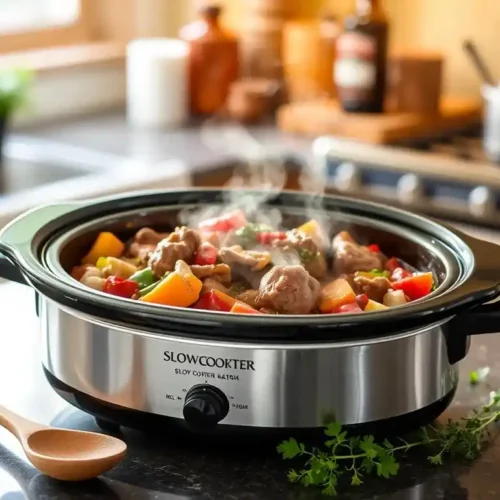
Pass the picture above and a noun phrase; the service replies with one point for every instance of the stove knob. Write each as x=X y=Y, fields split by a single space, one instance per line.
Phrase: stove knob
x=205 y=406
x=481 y=202
x=410 y=189
x=347 y=177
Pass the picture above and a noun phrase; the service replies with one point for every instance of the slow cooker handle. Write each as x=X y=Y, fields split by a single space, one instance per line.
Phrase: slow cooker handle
x=480 y=320
x=9 y=271
x=17 y=236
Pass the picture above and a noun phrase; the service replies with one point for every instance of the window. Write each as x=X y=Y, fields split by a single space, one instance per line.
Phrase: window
x=32 y=24
x=28 y=15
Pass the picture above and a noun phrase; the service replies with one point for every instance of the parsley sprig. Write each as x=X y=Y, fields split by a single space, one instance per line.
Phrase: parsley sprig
x=355 y=457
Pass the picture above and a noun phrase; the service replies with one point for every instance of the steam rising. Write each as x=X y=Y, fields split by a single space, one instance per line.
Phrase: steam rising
x=262 y=168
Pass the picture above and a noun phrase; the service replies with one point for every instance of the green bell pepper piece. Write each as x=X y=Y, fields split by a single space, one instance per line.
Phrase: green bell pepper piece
x=144 y=278
x=151 y=287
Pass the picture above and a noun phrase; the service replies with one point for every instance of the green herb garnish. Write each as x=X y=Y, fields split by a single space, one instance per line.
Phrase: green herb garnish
x=354 y=458
x=307 y=255
x=374 y=273
x=380 y=273
x=248 y=234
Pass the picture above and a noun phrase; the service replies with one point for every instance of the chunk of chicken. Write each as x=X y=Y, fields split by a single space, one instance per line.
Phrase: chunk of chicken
x=288 y=290
x=179 y=245
x=220 y=271
x=374 y=288
x=350 y=257
x=310 y=254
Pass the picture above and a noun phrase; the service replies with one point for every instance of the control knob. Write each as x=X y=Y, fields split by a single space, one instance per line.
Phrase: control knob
x=481 y=202
x=410 y=189
x=347 y=177
x=205 y=406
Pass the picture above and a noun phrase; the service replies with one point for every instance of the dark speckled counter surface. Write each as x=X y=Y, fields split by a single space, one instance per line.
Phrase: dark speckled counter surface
x=166 y=469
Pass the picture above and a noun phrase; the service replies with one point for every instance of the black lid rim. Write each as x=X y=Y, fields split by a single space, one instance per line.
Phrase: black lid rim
x=467 y=294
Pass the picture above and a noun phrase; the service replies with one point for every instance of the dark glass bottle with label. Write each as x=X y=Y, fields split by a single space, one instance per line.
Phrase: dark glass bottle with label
x=361 y=61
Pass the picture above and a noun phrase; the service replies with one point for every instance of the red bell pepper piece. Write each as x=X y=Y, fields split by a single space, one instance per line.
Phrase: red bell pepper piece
x=392 y=264
x=121 y=287
x=416 y=286
x=206 y=255
x=224 y=223
x=242 y=308
x=400 y=273
x=266 y=238
x=374 y=248
x=362 y=300
x=212 y=301
x=351 y=308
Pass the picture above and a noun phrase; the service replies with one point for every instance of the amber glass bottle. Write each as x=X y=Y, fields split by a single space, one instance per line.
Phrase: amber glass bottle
x=361 y=61
x=213 y=61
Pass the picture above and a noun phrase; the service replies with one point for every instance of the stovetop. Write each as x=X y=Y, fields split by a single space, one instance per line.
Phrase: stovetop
x=449 y=176
x=462 y=145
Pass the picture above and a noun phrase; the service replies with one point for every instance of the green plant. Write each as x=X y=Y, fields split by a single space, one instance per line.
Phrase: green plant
x=14 y=85
x=353 y=458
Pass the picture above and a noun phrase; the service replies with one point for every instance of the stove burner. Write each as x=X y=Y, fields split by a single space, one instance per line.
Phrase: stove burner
x=451 y=176
x=465 y=145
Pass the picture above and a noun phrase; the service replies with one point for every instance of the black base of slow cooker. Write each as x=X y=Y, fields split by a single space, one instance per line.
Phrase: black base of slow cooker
x=111 y=417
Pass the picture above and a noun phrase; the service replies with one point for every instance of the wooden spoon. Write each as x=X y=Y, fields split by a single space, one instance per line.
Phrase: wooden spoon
x=64 y=454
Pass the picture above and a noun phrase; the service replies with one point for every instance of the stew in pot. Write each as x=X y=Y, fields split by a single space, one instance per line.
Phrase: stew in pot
x=231 y=265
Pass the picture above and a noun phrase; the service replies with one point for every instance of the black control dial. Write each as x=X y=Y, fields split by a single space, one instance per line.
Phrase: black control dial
x=205 y=406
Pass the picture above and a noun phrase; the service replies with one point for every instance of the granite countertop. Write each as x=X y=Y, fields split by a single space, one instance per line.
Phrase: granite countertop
x=162 y=468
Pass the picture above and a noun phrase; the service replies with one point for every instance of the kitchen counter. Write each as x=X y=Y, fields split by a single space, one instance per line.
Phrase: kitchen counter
x=114 y=158
x=201 y=144
x=162 y=468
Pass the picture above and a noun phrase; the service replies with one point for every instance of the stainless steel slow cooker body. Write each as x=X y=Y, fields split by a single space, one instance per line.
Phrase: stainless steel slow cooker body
x=118 y=359
x=275 y=385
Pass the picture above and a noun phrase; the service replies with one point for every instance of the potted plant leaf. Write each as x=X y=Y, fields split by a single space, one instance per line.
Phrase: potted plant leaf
x=14 y=85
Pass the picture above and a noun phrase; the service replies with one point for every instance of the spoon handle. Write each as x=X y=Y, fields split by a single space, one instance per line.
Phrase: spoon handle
x=17 y=425
x=479 y=63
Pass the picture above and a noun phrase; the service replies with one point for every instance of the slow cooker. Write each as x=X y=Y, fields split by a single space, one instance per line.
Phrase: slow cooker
x=137 y=364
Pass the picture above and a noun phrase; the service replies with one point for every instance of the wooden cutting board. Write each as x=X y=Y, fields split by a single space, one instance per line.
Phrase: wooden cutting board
x=326 y=118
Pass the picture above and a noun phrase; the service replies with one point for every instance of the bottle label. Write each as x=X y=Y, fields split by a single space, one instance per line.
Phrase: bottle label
x=355 y=66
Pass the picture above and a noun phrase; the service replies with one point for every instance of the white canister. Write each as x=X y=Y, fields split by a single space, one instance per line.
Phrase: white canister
x=491 y=128
x=157 y=82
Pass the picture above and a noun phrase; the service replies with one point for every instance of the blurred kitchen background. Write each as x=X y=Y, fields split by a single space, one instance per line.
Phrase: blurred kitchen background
x=388 y=100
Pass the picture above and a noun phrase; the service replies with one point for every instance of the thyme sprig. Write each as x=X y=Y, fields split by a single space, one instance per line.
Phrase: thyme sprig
x=361 y=456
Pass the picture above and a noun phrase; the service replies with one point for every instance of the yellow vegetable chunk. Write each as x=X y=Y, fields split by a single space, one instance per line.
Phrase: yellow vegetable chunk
x=263 y=258
x=102 y=262
x=105 y=245
x=374 y=306
x=119 y=268
x=312 y=229
x=181 y=288
x=336 y=294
